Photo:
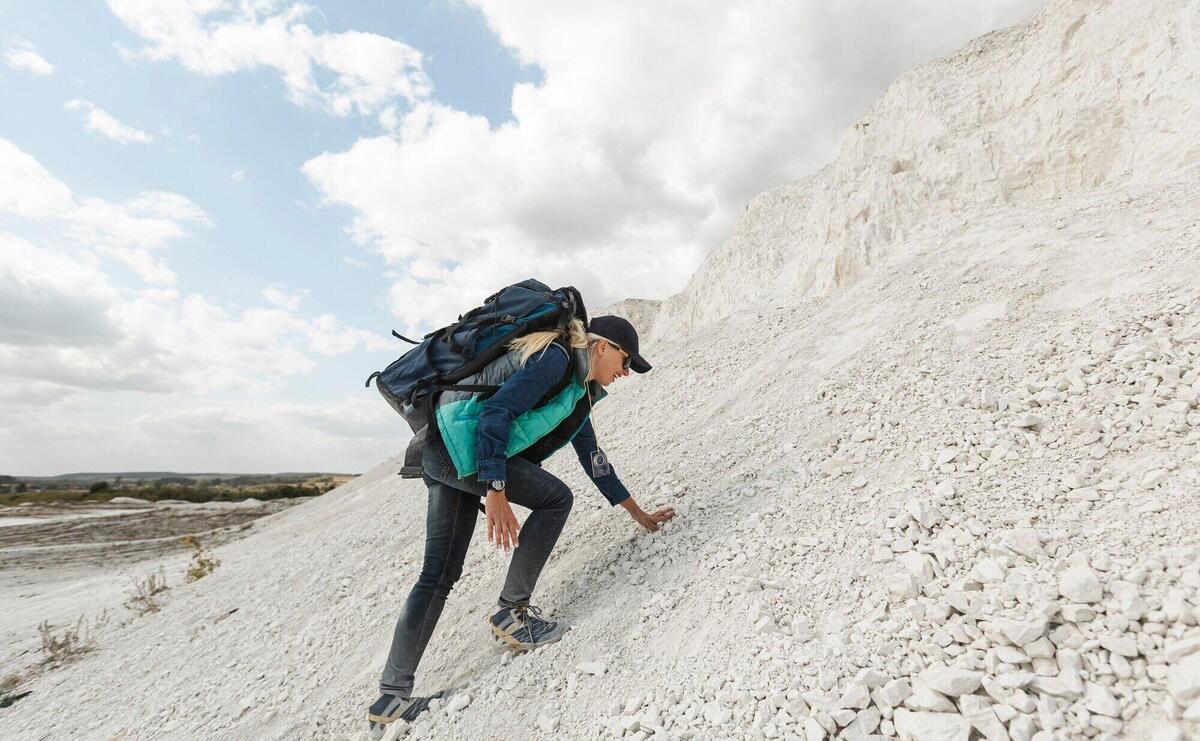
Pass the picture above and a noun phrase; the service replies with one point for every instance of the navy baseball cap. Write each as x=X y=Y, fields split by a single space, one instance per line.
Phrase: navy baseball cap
x=622 y=333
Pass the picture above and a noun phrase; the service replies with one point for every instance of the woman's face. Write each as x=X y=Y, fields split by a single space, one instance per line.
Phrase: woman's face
x=607 y=360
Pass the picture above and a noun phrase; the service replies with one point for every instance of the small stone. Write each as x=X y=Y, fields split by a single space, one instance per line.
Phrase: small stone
x=1176 y=650
x=1183 y=679
x=918 y=565
x=931 y=726
x=990 y=571
x=717 y=715
x=547 y=723
x=857 y=696
x=870 y=678
x=922 y=698
x=812 y=730
x=1026 y=421
x=766 y=624
x=1024 y=632
x=979 y=713
x=1022 y=727
x=1078 y=613
x=1101 y=701
x=1080 y=584
x=843 y=716
x=926 y=513
x=863 y=725
x=952 y=682
x=458 y=703
x=1125 y=645
x=1025 y=542
x=892 y=694
x=592 y=667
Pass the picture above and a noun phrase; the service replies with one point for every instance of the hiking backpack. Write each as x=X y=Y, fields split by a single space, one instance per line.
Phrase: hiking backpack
x=411 y=383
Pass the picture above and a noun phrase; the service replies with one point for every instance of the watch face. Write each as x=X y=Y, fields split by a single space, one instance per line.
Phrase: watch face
x=498 y=485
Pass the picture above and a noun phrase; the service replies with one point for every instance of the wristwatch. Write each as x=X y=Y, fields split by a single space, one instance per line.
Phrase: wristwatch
x=498 y=485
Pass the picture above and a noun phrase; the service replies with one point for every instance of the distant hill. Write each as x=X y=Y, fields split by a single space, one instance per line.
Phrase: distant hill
x=285 y=477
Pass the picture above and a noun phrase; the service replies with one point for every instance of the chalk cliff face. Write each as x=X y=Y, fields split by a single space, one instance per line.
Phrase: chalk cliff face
x=1084 y=95
x=929 y=420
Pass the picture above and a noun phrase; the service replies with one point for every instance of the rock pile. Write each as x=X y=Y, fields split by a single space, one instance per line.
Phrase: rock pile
x=955 y=499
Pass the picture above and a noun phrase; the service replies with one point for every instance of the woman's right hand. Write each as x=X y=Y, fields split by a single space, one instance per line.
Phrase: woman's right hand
x=502 y=525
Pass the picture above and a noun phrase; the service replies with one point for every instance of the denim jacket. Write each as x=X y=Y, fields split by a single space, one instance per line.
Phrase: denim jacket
x=517 y=395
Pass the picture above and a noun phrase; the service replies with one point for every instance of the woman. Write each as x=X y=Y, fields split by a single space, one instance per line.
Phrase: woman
x=492 y=448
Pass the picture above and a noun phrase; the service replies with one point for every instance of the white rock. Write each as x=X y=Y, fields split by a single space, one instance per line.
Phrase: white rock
x=1101 y=701
x=1022 y=727
x=592 y=667
x=1078 y=613
x=857 y=696
x=1177 y=649
x=1193 y=711
x=870 y=678
x=717 y=715
x=458 y=703
x=865 y=722
x=1183 y=679
x=980 y=714
x=903 y=586
x=812 y=730
x=922 y=698
x=1123 y=645
x=1024 y=632
x=1025 y=542
x=952 y=682
x=766 y=624
x=892 y=694
x=1167 y=732
x=1025 y=421
x=547 y=723
x=924 y=512
x=1080 y=584
x=918 y=565
x=990 y=571
x=916 y=726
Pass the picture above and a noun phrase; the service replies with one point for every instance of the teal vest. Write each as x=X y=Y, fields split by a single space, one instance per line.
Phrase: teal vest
x=457 y=415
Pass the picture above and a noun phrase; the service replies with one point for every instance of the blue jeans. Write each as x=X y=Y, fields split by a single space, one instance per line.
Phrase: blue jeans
x=449 y=523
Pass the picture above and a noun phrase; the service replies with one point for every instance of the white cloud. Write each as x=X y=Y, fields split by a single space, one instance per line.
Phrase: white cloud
x=343 y=73
x=656 y=123
x=64 y=320
x=277 y=296
x=125 y=231
x=23 y=57
x=104 y=123
x=237 y=176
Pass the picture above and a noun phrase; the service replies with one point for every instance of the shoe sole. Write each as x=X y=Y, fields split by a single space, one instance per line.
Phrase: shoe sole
x=519 y=647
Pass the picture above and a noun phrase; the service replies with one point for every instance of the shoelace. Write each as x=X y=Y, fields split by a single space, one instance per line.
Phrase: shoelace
x=418 y=706
x=532 y=618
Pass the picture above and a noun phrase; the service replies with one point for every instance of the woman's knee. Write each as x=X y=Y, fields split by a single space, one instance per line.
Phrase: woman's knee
x=439 y=578
x=562 y=497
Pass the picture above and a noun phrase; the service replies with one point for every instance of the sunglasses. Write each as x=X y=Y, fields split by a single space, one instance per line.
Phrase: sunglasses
x=627 y=359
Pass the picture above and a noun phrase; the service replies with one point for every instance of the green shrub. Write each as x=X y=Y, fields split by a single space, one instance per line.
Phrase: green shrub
x=203 y=563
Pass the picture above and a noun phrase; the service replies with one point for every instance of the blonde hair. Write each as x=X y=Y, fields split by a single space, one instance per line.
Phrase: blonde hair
x=535 y=342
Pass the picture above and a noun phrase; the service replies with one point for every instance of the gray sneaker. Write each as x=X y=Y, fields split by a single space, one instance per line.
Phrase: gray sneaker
x=391 y=708
x=523 y=628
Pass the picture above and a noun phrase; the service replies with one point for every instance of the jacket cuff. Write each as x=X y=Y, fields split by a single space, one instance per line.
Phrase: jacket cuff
x=492 y=471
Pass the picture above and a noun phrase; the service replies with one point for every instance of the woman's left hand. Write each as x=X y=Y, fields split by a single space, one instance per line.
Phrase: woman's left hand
x=651 y=521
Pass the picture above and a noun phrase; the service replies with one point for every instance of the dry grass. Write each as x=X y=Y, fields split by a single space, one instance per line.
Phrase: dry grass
x=203 y=563
x=70 y=642
x=145 y=593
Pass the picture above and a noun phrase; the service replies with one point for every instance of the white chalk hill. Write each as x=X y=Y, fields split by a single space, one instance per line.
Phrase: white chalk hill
x=930 y=421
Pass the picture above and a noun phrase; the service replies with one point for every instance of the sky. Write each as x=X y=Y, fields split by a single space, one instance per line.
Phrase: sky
x=213 y=213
